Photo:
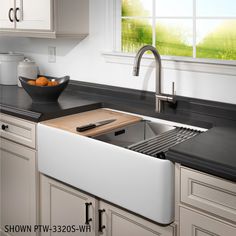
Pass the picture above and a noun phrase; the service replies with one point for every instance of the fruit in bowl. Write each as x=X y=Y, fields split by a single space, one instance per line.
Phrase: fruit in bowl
x=44 y=89
x=43 y=81
x=52 y=83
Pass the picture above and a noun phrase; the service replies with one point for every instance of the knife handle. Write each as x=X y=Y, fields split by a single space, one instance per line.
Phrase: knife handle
x=85 y=127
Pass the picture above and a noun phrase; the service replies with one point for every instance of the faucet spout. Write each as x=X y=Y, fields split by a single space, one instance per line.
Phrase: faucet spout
x=159 y=96
x=136 y=71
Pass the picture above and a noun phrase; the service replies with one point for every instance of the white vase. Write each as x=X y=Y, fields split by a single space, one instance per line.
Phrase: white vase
x=8 y=67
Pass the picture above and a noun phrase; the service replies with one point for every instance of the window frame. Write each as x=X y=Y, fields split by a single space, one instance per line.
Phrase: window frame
x=113 y=54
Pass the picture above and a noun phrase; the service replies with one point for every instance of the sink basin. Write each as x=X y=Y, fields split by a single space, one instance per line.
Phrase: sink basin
x=126 y=166
x=103 y=167
x=134 y=133
x=123 y=177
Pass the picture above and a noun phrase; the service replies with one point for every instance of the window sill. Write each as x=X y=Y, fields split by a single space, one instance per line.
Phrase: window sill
x=176 y=63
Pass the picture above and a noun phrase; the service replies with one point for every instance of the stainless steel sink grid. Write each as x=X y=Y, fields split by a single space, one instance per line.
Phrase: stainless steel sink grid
x=159 y=145
x=149 y=138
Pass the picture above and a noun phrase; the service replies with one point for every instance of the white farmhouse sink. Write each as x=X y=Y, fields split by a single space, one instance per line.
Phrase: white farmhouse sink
x=135 y=181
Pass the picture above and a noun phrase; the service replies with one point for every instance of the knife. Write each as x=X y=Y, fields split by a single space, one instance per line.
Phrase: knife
x=94 y=125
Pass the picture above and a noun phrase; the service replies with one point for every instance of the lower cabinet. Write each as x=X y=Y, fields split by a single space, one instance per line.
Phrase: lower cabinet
x=205 y=204
x=116 y=222
x=63 y=206
x=197 y=224
x=65 y=210
x=17 y=189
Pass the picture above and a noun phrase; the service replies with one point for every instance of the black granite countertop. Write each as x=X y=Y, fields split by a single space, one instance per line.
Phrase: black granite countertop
x=15 y=101
x=213 y=152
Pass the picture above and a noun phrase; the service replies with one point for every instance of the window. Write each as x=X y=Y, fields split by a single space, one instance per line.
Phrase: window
x=193 y=28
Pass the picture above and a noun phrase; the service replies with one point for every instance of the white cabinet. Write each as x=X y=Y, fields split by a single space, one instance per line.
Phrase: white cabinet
x=25 y=14
x=17 y=130
x=196 y=224
x=17 y=186
x=33 y=15
x=7 y=14
x=205 y=204
x=116 y=222
x=66 y=209
x=63 y=205
x=18 y=176
x=44 y=18
x=209 y=193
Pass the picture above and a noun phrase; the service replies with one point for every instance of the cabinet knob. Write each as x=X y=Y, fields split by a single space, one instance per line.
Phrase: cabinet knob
x=4 y=127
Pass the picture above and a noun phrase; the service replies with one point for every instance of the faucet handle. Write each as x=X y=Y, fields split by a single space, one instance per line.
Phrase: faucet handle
x=173 y=89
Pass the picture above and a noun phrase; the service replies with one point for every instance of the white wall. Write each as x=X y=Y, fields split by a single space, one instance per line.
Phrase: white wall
x=84 y=61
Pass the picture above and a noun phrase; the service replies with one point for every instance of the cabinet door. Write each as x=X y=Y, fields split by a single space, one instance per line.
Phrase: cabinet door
x=64 y=208
x=116 y=222
x=7 y=13
x=196 y=224
x=17 y=187
x=34 y=15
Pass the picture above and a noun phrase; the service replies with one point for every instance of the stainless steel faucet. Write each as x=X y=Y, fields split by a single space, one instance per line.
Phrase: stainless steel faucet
x=159 y=96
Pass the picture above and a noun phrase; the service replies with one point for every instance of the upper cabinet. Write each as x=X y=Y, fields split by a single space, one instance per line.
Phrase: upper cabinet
x=44 y=18
x=33 y=15
x=7 y=14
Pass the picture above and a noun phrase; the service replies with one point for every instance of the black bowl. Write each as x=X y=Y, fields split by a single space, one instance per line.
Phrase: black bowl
x=45 y=94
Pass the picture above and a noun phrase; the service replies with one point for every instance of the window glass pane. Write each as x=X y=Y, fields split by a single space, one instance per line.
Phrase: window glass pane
x=135 y=34
x=136 y=7
x=174 y=8
x=216 y=39
x=174 y=37
x=216 y=8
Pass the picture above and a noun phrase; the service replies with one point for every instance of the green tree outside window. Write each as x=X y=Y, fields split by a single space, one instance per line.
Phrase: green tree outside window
x=215 y=38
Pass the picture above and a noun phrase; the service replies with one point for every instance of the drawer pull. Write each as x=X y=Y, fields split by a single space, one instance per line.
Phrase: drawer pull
x=16 y=11
x=4 y=127
x=87 y=219
x=100 y=225
x=10 y=14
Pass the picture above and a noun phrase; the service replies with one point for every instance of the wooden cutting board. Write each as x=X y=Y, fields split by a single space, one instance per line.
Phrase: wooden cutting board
x=69 y=123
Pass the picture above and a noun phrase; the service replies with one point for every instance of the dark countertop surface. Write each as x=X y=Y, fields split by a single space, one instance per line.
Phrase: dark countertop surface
x=15 y=101
x=213 y=152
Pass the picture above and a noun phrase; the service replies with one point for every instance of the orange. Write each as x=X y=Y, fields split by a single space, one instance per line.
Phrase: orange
x=42 y=81
x=52 y=83
x=31 y=82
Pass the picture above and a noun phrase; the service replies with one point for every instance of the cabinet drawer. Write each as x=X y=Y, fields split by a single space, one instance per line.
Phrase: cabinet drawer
x=17 y=130
x=209 y=193
x=195 y=224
